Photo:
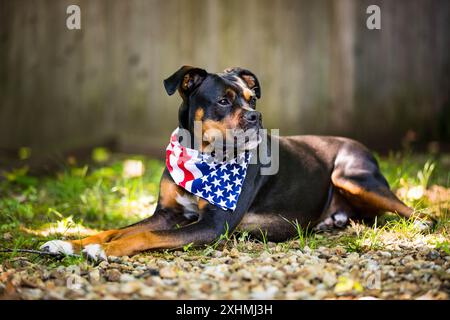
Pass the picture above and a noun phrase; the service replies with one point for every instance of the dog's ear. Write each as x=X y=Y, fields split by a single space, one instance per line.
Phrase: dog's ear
x=249 y=78
x=185 y=80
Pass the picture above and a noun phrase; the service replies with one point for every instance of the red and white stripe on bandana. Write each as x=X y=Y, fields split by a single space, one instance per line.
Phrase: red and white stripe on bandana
x=219 y=183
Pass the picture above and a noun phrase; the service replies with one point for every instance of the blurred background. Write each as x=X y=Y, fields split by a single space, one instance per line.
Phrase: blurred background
x=321 y=70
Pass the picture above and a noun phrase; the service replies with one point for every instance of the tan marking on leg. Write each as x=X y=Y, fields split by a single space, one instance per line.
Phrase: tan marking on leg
x=108 y=236
x=375 y=198
x=140 y=242
x=168 y=192
x=98 y=238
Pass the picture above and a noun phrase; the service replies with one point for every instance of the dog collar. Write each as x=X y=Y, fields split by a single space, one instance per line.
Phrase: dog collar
x=218 y=182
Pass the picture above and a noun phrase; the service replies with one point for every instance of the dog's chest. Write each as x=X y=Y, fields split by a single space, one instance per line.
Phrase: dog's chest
x=189 y=204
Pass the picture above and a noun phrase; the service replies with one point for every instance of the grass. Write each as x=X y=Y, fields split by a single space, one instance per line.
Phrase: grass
x=365 y=239
x=305 y=236
x=115 y=190
x=110 y=191
x=444 y=246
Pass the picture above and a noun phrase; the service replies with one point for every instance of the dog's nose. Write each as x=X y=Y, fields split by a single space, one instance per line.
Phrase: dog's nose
x=252 y=117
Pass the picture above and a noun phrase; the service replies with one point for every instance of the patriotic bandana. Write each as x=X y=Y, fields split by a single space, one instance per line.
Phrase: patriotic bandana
x=219 y=183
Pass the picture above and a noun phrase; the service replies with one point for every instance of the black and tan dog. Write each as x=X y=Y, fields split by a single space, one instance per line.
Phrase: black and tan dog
x=322 y=181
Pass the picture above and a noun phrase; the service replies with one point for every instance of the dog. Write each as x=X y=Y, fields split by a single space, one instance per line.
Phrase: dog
x=322 y=181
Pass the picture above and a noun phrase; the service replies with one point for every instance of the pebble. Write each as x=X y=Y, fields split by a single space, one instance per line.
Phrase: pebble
x=307 y=249
x=433 y=255
x=260 y=293
x=148 y=292
x=113 y=275
x=32 y=294
x=385 y=254
x=131 y=287
x=125 y=277
x=406 y=260
x=415 y=270
x=339 y=250
x=334 y=259
x=372 y=265
x=329 y=279
x=245 y=274
x=168 y=273
x=7 y=236
x=94 y=276
x=352 y=258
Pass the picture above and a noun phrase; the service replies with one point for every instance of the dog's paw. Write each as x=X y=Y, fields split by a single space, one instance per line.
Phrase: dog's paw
x=95 y=252
x=337 y=220
x=324 y=225
x=57 y=246
x=340 y=219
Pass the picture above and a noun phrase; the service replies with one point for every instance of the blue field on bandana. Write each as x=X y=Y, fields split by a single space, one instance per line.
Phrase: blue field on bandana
x=221 y=182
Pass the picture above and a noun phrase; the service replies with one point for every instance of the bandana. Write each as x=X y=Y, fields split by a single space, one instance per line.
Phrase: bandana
x=219 y=183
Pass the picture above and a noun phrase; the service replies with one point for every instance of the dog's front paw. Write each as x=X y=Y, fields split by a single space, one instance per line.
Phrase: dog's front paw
x=95 y=252
x=57 y=246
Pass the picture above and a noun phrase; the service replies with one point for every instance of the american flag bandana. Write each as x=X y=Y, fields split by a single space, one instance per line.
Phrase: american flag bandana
x=219 y=183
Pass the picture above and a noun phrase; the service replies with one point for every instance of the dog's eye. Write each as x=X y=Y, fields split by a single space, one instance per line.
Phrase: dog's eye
x=253 y=102
x=223 y=102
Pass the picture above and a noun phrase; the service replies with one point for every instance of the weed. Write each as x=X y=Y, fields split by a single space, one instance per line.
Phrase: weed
x=444 y=246
x=264 y=239
x=366 y=238
x=188 y=247
x=224 y=237
x=305 y=236
x=424 y=175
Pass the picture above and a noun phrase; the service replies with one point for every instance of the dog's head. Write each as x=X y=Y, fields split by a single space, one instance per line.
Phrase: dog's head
x=221 y=102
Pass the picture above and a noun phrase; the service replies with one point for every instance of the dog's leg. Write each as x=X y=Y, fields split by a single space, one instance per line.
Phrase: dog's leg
x=272 y=226
x=168 y=214
x=212 y=224
x=198 y=234
x=365 y=191
x=358 y=178
x=161 y=220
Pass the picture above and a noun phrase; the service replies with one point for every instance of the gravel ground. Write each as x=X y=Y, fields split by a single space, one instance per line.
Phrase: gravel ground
x=402 y=269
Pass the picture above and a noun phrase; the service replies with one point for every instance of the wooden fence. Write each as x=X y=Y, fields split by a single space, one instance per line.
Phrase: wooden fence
x=322 y=71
